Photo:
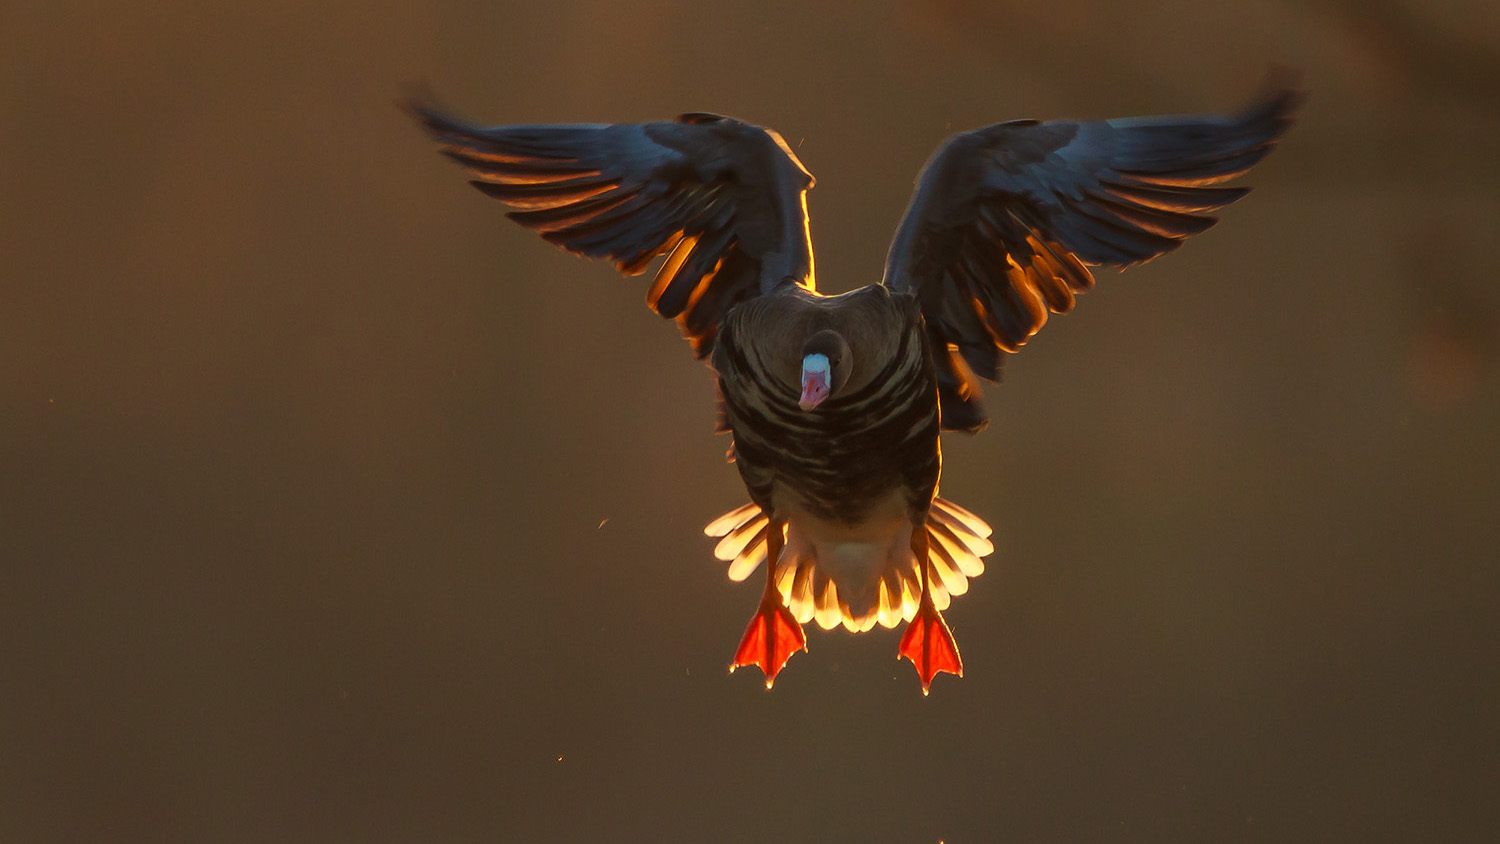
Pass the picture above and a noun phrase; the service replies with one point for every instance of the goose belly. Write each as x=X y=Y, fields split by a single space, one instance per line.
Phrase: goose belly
x=855 y=556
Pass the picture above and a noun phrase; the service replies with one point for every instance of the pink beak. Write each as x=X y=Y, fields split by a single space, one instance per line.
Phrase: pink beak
x=815 y=377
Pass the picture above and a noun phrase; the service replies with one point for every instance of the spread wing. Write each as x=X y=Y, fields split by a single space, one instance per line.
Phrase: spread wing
x=1006 y=220
x=725 y=201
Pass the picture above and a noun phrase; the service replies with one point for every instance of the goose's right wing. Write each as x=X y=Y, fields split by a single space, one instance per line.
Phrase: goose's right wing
x=724 y=200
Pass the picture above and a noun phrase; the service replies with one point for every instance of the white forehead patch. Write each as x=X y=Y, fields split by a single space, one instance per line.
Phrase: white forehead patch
x=815 y=363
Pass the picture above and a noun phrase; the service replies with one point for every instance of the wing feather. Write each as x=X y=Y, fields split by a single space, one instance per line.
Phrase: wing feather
x=1005 y=220
x=724 y=200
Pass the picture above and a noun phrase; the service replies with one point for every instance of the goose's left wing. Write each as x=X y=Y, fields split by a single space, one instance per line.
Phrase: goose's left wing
x=722 y=199
x=1005 y=219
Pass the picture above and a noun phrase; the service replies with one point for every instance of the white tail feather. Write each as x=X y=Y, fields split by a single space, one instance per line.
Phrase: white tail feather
x=957 y=539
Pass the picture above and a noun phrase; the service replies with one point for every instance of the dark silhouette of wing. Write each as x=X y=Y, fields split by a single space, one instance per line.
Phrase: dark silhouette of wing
x=1005 y=219
x=722 y=199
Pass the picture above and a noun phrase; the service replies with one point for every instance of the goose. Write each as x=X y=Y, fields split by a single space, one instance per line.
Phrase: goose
x=835 y=403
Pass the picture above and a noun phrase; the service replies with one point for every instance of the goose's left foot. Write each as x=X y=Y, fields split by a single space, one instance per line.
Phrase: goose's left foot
x=929 y=644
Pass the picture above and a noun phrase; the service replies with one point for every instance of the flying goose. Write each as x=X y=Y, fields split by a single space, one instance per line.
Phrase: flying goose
x=835 y=403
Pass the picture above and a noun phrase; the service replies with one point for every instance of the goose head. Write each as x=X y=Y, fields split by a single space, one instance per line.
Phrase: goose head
x=826 y=363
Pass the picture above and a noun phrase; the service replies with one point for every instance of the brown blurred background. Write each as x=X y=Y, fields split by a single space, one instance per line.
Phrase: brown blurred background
x=335 y=508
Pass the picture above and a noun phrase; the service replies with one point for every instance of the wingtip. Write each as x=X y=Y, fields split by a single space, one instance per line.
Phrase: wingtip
x=420 y=103
x=1281 y=95
x=417 y=98
x=1282 y=77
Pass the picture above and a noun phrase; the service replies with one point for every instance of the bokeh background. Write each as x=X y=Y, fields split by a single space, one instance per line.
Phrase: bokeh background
x=335 y=508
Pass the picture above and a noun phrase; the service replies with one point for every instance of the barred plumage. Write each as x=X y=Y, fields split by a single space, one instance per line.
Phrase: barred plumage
x=860 y=444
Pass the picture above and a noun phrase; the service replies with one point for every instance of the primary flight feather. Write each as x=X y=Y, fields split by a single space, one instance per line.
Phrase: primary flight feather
x=835 y=403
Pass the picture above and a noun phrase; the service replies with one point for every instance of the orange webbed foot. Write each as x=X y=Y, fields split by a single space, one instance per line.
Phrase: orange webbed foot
x=771 y=638
x=929 y=644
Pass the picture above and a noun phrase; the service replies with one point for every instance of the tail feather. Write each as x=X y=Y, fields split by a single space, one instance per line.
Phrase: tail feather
x=947 y=570
x=889 y=612
x=958 y=540
x=747 y=562
x=961 y=517
x=741 y=537
x=800 y=598
x=731 y=520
